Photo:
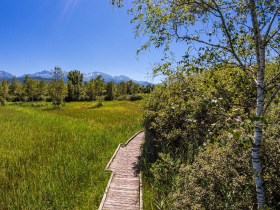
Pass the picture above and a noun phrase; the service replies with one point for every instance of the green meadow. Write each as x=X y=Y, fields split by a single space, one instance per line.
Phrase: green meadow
x=54 y=158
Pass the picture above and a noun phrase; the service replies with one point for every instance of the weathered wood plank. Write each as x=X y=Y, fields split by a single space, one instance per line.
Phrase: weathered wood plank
x=124 y=189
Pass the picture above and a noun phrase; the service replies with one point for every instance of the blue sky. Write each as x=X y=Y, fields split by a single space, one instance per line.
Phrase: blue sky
x=85 y=35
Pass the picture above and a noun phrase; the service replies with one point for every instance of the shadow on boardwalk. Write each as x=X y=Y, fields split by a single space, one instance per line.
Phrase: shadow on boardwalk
x=124 y=187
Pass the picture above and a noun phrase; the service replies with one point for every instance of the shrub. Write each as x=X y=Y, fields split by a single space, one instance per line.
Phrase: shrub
x=195 y=120
x=2 y=101
x=123 y=97
x=219 y=178
x=135 y=97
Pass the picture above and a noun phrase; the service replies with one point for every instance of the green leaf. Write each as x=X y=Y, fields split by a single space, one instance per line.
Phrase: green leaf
x=230 y=135
x=189 y=107
x=248 y=129
x=249 y=121
x=247 y=142
x=241 y=145
x=223 y=141
x=237 y=135
x=264 y=120
x=219 y=126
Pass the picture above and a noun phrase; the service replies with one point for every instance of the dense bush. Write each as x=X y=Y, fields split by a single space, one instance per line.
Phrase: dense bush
x=183 y=115
x=219 y=178
x=123 y=97
x=197 y=152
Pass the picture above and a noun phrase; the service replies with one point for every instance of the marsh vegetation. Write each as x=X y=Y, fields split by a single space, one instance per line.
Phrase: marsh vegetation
x=54 y=158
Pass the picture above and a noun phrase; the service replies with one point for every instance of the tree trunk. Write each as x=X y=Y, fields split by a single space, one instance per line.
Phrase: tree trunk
x=260 y=57
x=257 y=144
x=100 y=99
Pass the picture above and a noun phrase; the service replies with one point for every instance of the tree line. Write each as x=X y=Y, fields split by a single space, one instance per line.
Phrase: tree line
x=75 y=90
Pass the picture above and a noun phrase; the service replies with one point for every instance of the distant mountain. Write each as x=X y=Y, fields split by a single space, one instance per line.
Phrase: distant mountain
x=37 y=78
x=43 y=74
x=121 y=78
x=87 y=76
x=108 y=78
x=6 y=75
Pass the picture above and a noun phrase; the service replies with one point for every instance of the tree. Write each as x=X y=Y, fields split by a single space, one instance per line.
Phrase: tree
x=25 y=79
x=123 y=88
x=42 y=89
x=129 y=84
x=134 y=88
x=242 y=34
x=110 y=90
x=149 y=88
x=75 y=83
x=5 y=86
x=143 y=89
x=4 y=91
x=118 y=90
x=15 y=88
x=56 y=87
x=1 y=93
x=89 y=89
x=31 y=88
x=98 y=85
x=24 y=86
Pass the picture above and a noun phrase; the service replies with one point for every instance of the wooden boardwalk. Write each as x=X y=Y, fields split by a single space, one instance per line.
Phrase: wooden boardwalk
x=124 y=187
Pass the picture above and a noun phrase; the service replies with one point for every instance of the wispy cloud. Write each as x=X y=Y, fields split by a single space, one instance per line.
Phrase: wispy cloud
x=70 y=5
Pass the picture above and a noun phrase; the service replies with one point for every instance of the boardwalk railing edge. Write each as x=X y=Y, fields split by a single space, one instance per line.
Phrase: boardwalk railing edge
x=112 y=175
x=106 y=191
x=140 y=191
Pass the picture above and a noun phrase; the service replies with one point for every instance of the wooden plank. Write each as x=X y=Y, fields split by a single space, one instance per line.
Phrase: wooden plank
x=106 y=192
x=124 y=191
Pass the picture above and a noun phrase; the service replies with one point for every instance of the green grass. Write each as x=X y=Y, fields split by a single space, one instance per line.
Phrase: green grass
x=55 y=158
x=149 y=194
